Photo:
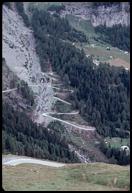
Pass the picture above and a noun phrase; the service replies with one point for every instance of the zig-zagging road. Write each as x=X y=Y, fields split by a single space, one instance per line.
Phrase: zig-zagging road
x=20 y=55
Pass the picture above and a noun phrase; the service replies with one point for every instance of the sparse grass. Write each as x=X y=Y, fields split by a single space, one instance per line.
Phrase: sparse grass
x=118 y=142
x=95 y=176
x=62 y=107
x=76 y=139
x=82 y=25
x=85 y=26
x=100 y=52
x=120 y=62
x=100 y=49
x=77 y=119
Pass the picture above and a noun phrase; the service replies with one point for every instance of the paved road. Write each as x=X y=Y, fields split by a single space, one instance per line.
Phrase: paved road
x=16 y=160
x=63 y=89
x=9 y=90
x=87 y=128
x=72 y=113
x=62 y=100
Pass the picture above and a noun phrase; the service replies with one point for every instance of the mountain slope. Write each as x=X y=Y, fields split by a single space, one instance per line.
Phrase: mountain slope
x=20 y=55
x=41 y=66
x=102 y=109
x=100 y=13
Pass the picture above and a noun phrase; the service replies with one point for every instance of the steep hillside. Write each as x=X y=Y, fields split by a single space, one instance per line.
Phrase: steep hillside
x=45 y=55
x=61 y=101
x=20 y=55
x=100 y=14
x=17 y=97
x=103 y=108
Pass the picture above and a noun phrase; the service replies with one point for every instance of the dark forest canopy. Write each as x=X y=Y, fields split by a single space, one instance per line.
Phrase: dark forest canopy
x=117 y=35
x=7 y=4
x=23 y=137
x=105 y=4
x=20 y=9
x=101 y=92
x=56 y=8
x=115 y=154
x=43 y=23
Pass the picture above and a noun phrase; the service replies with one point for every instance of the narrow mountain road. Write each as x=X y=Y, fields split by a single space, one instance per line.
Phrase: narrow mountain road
x=62 y=89
x=87 y=128
x=62 y=100
x=72 y=113
x=9 y=90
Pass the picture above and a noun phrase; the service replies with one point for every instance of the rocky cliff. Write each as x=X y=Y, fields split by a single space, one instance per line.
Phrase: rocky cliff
x=102 y=14
x=20 y=55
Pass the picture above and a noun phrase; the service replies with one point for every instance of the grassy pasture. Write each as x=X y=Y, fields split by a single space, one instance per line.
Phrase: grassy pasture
x=118 y=142
x=94 y=176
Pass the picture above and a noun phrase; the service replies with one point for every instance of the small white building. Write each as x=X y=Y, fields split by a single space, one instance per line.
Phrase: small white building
x=92 y=45
x=108 y=48
x=125 y=52
x=124 y=147
x=96 y=62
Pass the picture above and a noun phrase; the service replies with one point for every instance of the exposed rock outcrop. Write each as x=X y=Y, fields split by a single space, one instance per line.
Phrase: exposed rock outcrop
x=100 y=15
